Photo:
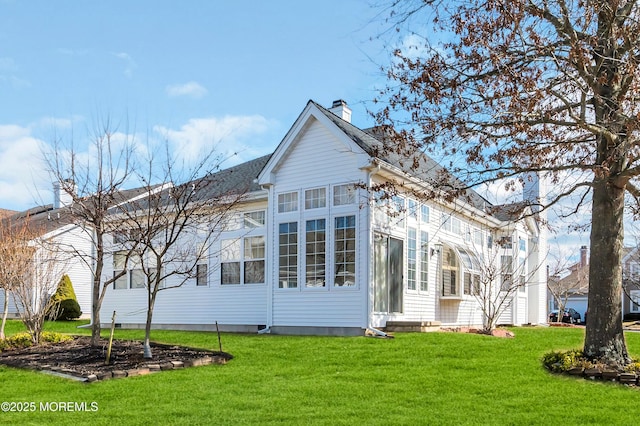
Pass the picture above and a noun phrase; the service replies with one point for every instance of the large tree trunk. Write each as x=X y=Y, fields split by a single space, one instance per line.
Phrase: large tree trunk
x=604 y=338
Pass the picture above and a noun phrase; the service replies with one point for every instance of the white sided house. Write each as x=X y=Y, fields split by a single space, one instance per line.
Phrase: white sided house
x=311 y=252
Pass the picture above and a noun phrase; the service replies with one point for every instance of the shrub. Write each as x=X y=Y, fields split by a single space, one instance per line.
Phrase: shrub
x=23 y=340
x=65 y=304
x=563 y=361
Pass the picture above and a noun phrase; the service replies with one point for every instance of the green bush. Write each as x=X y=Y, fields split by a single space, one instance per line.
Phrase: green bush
x=23 y=339
x=65 y=304
x=563 y=361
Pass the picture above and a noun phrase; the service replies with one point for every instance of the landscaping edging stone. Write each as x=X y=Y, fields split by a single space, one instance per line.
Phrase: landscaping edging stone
x=140 y=371
x=595 y=373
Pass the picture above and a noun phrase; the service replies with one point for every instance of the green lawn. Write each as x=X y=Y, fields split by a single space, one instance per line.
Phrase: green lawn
x=433 y=378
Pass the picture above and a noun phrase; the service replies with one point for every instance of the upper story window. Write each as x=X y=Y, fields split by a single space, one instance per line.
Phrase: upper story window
x=424 y=213
x=287 y=202
x=254 y=219
x=412 y=209
x=315 y=198
x=344 y=195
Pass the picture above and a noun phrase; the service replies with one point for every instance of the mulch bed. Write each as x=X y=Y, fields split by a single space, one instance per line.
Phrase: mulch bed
x=78 y=359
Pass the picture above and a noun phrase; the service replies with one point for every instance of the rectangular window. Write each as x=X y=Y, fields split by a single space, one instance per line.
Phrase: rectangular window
x=424 y=261
x=345 y=251
x=397 y=210
x=287 y=202
x=315 y=198
x=254 y=252
x=119 y=258
x=137 y=278
x=344 y=195
x=523 y=244
x=315 y=242
x=424 y=213
x=254 y=219
x=230 y=262
x=445 y=222
x=288 y=255
x=635 y=300
x=412 y=209
x=477 y=237
x=202 y=274
x=412 y=259
x=456 y=226
x=506 y=272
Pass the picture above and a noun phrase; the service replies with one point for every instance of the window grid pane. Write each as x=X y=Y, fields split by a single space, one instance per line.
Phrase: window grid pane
x=288 y=202
x=315 y=253
x=254 y=219
x=345 y=251
x=202 y=274
x=411 y=259
x=315 y=198
x=424 y=261
x=288 y=255
x=343 y=195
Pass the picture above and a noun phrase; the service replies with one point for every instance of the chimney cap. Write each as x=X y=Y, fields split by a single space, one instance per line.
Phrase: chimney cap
x=338 y=102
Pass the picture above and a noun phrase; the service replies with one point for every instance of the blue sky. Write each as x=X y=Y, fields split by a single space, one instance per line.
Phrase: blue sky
x=232 y=72
x=235 y=73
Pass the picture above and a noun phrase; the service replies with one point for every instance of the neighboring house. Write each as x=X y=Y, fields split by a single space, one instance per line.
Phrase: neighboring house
x=73 y=241
x=572 y=288
x=310 y=252
x=631 y=282
x=54 y=223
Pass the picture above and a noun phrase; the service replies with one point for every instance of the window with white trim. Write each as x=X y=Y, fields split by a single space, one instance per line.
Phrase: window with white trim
x=315 y=198
x=506 y=281
x=230 y=261
x=254 y=255
x=424 y=213
x=242 y=261
x=119 y=264
x=412 y=258
x=288 y=202
x=345 y=251
x=424 y=261
x=635 y=300
x=254 y=219
x=288 y=255
x=315 y=253
x=450 y=273
x=412 y=209
x=202 y=274
x=344 y=195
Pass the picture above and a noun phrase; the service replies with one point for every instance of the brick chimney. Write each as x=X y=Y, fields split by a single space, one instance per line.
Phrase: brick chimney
x=583 y=256
x=341 y=109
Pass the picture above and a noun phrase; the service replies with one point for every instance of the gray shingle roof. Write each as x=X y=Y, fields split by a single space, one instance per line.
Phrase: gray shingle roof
x=427 y=170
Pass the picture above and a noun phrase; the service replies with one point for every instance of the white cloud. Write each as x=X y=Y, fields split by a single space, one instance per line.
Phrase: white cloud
x=130 y=64
x=191 y=89
x=23 y=178
x=228 y=135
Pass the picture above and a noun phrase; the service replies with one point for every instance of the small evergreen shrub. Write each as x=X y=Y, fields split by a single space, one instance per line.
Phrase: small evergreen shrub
x=65 y=304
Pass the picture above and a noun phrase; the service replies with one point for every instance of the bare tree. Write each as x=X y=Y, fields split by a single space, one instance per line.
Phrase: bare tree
x=502 y=88
x=494 y=276
x=170 y=230
x=39 y=264
x=16 y=258
x=93 y=182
